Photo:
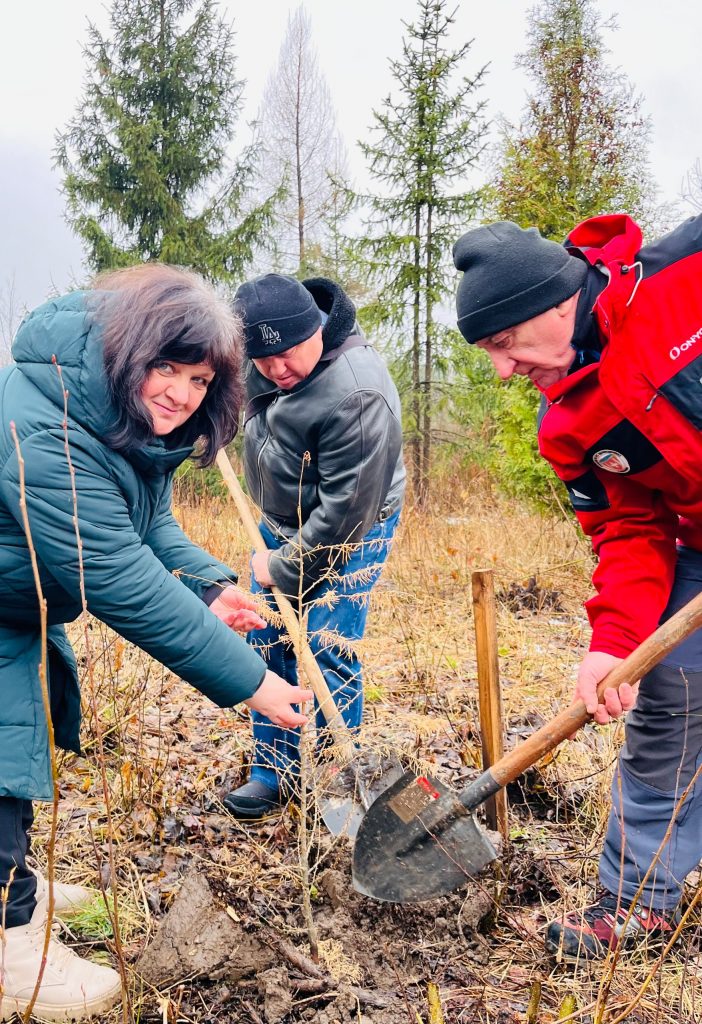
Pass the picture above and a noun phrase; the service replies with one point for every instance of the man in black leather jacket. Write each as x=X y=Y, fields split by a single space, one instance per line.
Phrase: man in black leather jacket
x=323 y=460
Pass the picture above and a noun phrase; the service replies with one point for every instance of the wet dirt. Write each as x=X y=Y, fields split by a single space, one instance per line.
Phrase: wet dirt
x=375 y=960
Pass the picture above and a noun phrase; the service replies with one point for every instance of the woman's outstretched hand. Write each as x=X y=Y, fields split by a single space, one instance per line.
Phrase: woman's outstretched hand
x=274 y=699
x=237 y=609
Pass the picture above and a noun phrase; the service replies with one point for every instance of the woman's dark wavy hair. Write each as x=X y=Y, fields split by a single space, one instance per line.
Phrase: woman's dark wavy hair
x=152 y=312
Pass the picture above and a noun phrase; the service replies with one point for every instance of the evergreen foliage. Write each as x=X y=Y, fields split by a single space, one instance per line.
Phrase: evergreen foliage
x=580 y=150
x=145 y=156
x=426 y=139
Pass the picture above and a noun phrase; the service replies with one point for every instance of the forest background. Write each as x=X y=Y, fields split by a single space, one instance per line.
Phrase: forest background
x=180 y=144
x=523 y=113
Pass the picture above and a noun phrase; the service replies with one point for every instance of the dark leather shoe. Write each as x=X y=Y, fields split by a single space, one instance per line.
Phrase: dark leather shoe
x=252 y=801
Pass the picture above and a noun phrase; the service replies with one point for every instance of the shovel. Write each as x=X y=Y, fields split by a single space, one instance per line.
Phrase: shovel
x=352 y=782
x=420 y=839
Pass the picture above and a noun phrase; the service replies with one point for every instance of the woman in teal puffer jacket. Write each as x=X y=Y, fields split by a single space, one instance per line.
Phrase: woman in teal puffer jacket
x=111 y=389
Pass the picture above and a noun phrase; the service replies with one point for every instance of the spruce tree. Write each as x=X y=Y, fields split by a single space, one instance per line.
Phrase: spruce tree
x=145 y=156
x=426 y=139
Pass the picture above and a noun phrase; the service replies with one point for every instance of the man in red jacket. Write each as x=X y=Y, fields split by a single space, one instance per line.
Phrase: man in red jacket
x=611 y=334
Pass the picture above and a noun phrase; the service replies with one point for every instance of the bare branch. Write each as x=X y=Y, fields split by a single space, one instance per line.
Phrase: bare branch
x=300 y=145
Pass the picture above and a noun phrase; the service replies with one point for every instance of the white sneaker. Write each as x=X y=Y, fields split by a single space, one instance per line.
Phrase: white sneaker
x=71 y=988
x=68 y=898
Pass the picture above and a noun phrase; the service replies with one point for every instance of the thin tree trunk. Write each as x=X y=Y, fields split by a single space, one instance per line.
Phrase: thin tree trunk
x=420 y=400
x=298 y=163
x=154 y=245
x=415 y=448
x=428 y=360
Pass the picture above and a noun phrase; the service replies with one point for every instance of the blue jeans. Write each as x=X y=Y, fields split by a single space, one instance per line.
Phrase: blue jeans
x=276 y=750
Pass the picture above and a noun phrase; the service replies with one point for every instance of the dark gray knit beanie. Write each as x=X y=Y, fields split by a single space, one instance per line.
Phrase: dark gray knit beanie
x=510 y=274
x=278 y=312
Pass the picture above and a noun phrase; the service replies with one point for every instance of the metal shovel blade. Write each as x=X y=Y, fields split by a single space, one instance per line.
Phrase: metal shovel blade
x=417 y=842
x=347 y=791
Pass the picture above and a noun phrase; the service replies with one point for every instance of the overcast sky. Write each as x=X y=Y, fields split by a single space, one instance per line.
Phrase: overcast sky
x=41 y=73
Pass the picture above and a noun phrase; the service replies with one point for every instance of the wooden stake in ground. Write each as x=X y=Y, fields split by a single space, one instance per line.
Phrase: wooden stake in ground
x=489 y=695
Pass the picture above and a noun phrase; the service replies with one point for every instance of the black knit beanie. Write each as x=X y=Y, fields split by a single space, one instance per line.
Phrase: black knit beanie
x=510 y=274
x=278 y=312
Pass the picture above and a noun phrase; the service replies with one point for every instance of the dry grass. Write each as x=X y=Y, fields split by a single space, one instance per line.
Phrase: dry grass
x=171 y=753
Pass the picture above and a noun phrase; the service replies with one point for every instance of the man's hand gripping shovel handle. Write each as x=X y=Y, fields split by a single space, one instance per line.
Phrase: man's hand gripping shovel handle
x=547 y=738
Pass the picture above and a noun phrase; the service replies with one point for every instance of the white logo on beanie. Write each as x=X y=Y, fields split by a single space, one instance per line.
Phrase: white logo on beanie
x=268 y=335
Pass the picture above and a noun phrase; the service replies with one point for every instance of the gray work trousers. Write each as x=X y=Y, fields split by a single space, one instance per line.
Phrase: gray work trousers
x=662 y=753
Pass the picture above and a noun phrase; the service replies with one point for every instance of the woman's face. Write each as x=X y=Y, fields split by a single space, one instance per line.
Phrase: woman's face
x=172 y=392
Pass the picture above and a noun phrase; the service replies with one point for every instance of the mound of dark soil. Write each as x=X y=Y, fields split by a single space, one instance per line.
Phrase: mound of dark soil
x=530 y=598
x=376 y=959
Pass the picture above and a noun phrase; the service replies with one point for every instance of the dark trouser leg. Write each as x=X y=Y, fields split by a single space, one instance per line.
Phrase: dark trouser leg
x=16 y=817
x=662 y=753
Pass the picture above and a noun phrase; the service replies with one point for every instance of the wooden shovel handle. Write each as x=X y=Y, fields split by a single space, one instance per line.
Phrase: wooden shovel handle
x=636 y=665
x=337 y=726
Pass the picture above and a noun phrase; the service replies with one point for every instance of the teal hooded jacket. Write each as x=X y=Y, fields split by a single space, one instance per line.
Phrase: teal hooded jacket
x=139 y=572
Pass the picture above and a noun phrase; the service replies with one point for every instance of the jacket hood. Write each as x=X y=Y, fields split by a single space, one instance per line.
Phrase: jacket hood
x=57 y=343
x=612 y=237
x=340 y=311
x=62 y=335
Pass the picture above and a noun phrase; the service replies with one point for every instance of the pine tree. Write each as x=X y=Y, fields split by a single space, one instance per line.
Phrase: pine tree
x=145 y=162
x=427 y=140
x=581 y=149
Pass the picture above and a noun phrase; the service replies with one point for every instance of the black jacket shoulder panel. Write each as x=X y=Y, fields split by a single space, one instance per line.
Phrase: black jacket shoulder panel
x=684 y=240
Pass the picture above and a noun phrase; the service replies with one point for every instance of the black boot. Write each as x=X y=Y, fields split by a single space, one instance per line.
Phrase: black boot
x=253 y=801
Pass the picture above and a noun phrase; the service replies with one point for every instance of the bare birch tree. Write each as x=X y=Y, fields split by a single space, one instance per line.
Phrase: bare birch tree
x=691 y=191
x=10 y=316
x=300 y=145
